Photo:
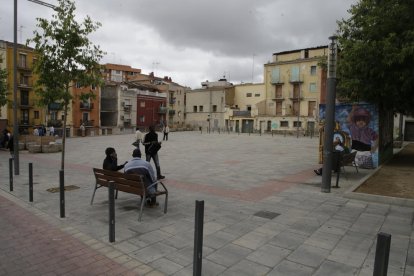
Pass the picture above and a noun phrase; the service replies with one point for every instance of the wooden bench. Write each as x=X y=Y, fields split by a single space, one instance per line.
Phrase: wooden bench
x=128 y=183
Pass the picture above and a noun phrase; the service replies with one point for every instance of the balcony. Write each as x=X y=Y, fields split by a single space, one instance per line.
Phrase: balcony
x=240 y=113
x=276 y=79
x=89 y=123
x=54 y=106
x=86 y=105
x=127 y=108
x=278 y=96
x=171 y=112
x=172 y=101
x=295 y=96
x=296 y=78
x=23 y=66
x=26 y=122
x=24 y=83
x=26 y=103
x=162 y=110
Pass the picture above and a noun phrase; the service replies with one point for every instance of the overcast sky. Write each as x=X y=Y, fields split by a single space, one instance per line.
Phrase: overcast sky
x=192 y=41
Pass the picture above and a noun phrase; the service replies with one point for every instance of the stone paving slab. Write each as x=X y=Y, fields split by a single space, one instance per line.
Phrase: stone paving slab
x=237 y=176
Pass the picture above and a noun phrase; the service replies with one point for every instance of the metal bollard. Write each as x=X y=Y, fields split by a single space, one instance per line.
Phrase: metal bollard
x=31 y=182
x=111 y=189
x=62 y=193
x=11 y=173
x=198 y=237
x=382 y=254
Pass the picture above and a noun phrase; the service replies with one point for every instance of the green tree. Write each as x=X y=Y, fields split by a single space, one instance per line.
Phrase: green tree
x=65 y=56
x=3 y=87
x=377 y=54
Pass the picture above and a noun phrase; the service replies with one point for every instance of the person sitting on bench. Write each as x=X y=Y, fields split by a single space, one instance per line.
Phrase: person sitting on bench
x=338 y=147
x=142 y=167
x=110 y=162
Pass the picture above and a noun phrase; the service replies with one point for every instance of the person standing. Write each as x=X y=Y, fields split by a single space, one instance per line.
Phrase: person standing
x=151 y=141
x=138 y=138
x=110 y=162
x=166 y=130
x=51 y=131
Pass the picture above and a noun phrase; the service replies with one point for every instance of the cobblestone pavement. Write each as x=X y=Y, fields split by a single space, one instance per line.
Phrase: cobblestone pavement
x=264 y=213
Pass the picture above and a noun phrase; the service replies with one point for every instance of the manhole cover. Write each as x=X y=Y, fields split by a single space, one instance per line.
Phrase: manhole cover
x=67 y=188
x=266 y=214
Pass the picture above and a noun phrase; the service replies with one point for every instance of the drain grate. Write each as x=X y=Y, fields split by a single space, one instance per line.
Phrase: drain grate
x=67 y=188
x=266 y=214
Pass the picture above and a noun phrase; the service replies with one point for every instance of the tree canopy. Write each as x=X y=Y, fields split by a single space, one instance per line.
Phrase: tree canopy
x=377 y=54
x=65 y=55
x=3 y=87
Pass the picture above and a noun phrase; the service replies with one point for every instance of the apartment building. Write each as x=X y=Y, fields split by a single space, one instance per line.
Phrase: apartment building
x=175 y=107
x=207 y=107
x=118 y=72
x=84 y=112
x=295 y=85
x=244 y=113
x=29 y=114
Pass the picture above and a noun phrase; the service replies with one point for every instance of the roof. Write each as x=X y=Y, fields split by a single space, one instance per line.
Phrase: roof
x=120 y=67
x=298 y=50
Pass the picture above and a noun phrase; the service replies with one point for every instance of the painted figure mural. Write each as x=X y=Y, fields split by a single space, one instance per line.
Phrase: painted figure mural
x=358 y=124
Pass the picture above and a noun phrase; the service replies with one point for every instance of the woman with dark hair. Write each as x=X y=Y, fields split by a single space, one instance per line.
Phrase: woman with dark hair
x=110 y=162
x=151 y=149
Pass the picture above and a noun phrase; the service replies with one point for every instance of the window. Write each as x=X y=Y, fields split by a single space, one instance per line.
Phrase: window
x=249 y=107
x=312 y=87
x=195 y=108
x=142 y=118
x=36 y=114
x=278 y=92
x=279 y=108
x=93 y=86
x=53 y=115
x=214 y=108
x=284 y=123
x=257 y=95
x=142 y=104
x=25 y=116
x=248 y=95
x=313 y=70
x=85 y=116
x=22 y=60
x=24 y=97
x=201 y=108
x=297 y=124
x=311 y=108
x=78 y=85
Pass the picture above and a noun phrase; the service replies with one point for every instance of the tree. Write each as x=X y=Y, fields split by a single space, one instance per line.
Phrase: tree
x=65 y=56
x=377 y=54
x=3 y=87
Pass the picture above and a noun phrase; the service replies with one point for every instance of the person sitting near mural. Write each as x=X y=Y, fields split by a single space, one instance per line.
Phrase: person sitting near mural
x=110 y=162
x=363 y=137
x=339 y=147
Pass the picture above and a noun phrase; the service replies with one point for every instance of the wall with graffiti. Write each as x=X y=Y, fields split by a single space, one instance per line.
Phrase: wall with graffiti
x=358 y=127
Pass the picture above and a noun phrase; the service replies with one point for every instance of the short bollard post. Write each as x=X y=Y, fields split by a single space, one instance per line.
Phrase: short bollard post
x=382 y=254
x=62 y=193
x=11 y=173
x=198 y=237
x=31 y=182
x=111 y=194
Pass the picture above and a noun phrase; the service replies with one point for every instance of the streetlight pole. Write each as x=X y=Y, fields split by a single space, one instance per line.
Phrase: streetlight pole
x=15 y=121
x=329 y=117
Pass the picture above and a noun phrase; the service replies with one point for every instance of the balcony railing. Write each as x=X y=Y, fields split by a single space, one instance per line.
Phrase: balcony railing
x=87 y=123
x=241 y=113
x=85 y=105
x=127 y=108
x=162 y=110
x=171 y=112
x=295 y=95
x=296 y=78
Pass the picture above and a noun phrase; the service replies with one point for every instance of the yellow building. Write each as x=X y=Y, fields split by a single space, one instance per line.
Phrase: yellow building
x=28 y=113
x=294 y=83
x=3 y=66
x=244 y=114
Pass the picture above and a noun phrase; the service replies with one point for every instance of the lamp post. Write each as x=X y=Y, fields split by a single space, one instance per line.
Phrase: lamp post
x=15 y=121
x=329 y=117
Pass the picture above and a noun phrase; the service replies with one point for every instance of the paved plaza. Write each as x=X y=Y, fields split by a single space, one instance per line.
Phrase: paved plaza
x=264 y=213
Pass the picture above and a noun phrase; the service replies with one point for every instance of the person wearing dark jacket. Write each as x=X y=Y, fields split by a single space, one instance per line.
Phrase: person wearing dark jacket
x=110 y=163
x=151 y=138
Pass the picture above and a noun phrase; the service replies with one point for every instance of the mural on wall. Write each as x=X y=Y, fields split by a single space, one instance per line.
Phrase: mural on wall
x=359 y=125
